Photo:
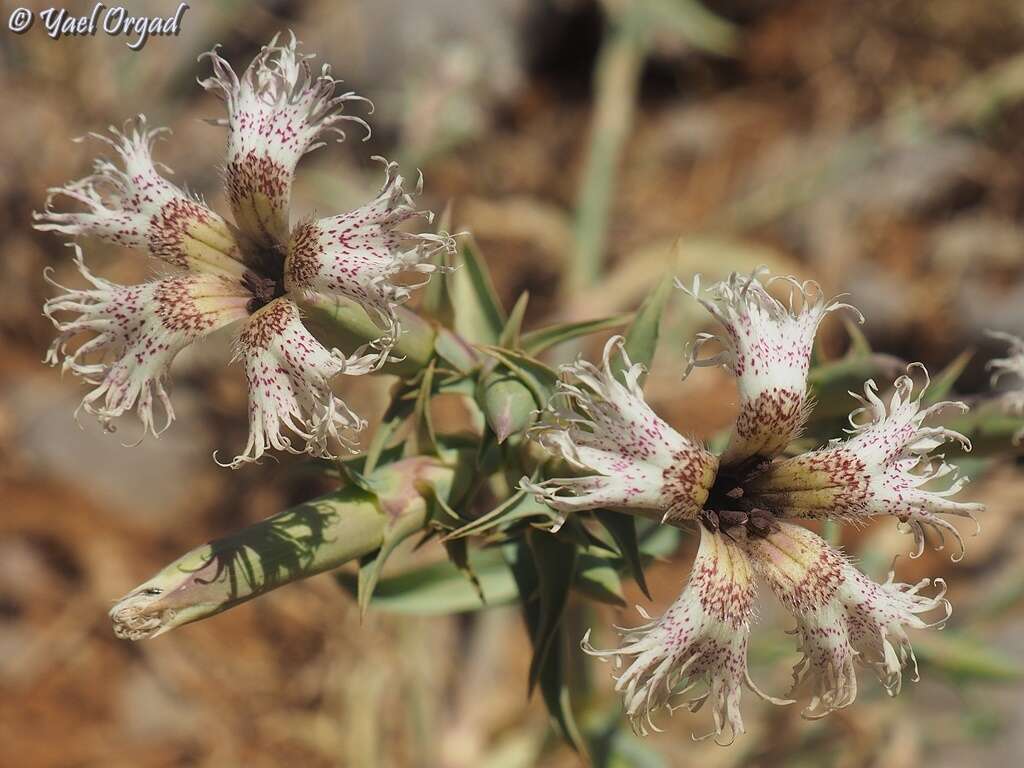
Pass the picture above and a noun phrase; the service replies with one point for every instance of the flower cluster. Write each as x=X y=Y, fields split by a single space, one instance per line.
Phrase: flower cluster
x=624 y=457
x=255 y=271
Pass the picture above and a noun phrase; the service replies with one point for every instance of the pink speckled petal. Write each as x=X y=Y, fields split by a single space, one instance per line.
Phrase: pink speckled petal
x=278 y=110
x=636 y=460
x=842 y=616
x=701 y=638
x=137 y=331
x=889 y=466
x=358 y=254
x=767 y=345
x=135 y=206
x=289 y=375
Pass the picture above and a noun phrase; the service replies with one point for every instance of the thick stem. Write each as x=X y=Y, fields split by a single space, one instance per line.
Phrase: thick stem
x=295 y=544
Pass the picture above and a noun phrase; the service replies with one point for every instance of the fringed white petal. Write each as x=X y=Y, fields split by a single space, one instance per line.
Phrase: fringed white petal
x=879 y=614
x=601 y=425
x=289 y=375
x=889 y=466
x=136 y=332
x=767 y=345
x=842 y=616
x=358 y=254
x=278 y=110
x=134 y=206
x=701 y=638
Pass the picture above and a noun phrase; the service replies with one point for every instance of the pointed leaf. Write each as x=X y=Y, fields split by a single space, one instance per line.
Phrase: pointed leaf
x=831 y=384
x=537 y=341
x=440 y=588
x=942 y=384
x=388 y=428
x=458 y=555
x=479 y=316
x=965 y=658
x=642 y=335
x=551 y=673
x=520 y=506
x=454 y=350
x=513 y=328
x=370 y=567
x=859 y=344
x=555 y=560
x=622 y=528
x=598 y=579
x=555 y=690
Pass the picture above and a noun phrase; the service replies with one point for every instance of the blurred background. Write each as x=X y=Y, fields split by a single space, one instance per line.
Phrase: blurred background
x=877 y=147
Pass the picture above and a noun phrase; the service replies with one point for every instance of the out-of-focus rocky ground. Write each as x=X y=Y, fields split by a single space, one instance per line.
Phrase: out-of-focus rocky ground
x=877 y=147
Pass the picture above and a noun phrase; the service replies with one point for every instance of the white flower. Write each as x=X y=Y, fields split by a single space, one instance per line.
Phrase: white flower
x=138 y=330
x=631 y=458
x=767 y=345
x=289 y=375
x=277 y=111
x=701 y=638
x=842 y=616
x=1013 y=365
x=356 y=254
x=889 y=466
x=137 y=208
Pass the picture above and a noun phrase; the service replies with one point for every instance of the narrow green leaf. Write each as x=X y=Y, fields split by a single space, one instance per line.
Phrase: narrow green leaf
x=942 y=384
x=555 y=560
x=642 y=335
x=689 y=20
x=537 y=341
x=658 y=540
x=966 y=659
x=424 y=440
x=479 y=316
x=597 y=578
x=458 y=555
x=440 y=588
x=519 y=506
x=831 y=384
x=991 y=429
x=557 y=698
x=859 y=344
x=388 y=429
x=454 y=350
x=552 y=681
x=622 y=528
x=370 y=567
x=513 y=328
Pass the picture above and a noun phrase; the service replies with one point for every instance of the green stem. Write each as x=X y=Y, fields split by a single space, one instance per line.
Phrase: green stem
x=295 y=544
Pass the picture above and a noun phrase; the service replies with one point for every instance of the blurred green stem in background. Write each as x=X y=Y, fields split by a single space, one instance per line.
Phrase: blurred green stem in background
x=616 y=80
x=634 y=29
